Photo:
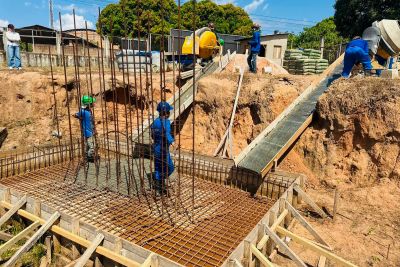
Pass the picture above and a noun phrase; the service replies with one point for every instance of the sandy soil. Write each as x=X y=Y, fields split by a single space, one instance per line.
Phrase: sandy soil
x=262 y=99
x=365 y=231
x=355 y=137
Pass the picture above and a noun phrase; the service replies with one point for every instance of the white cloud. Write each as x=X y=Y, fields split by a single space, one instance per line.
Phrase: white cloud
x=67 y=21
x=70 y=8
x=224 y=2
x=253 y=5
x=27 y=3
x=265 y=7
x=4 y=23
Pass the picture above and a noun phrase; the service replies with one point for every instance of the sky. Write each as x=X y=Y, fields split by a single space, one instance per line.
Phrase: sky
x=282 y=15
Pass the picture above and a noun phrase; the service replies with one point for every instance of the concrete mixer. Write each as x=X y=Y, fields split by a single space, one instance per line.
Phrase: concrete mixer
x=207 y=46
x=383 y=39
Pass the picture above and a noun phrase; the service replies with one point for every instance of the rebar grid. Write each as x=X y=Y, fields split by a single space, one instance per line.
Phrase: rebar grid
x=222 y=216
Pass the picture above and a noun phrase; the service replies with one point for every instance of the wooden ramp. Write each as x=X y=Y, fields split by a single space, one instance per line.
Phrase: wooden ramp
x=260 y=156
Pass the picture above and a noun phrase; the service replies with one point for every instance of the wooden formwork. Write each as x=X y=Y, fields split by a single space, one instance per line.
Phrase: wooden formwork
x=113 y=249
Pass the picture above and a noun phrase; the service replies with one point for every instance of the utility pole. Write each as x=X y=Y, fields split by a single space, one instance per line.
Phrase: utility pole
x=51 y=14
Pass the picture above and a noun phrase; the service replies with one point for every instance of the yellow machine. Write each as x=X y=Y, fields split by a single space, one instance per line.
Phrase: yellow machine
x=206 y=43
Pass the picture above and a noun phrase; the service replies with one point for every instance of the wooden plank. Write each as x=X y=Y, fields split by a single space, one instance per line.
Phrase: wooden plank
x=89 y=251
x=282 y=245
x=147 y=262
x=13 y=210
x=118 y=258
x=226 y=139
x=309 y=201
x=34 y=238
x=308 y=244
x=306 y=225
x=322 y=261
x=5 y=236
x=263 y=260
x=6 y=246
x=265 y=238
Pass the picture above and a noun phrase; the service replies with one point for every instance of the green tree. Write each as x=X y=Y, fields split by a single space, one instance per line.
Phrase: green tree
x=228 y=18
x=129 y=17
x=311 y=37
x=352 y=17
x=133 y=17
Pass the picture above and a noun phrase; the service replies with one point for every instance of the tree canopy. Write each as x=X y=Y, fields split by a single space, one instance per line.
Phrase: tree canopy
x=127 y=16
x=311 y=37
x=352 y=17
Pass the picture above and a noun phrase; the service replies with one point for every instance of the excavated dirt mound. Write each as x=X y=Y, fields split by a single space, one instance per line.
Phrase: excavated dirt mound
x=356 y=135
x=27 y=104
x=262 y=99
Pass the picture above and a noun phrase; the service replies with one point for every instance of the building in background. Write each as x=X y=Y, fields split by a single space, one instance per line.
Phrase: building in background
x=273 y=46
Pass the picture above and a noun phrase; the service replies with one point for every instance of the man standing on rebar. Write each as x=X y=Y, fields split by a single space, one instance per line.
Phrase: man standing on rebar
x=255 y=46
x=161 y=134
x=13 y=39
x=86 y=120
x=357 y=51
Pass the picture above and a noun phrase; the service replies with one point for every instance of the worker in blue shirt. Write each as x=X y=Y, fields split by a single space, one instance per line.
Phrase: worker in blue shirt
x=86 y=121
x=255 y=46
x=357 y=52
x=161 y=134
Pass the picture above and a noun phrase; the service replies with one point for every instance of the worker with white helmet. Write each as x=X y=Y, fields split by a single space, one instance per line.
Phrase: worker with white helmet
x=255 y=46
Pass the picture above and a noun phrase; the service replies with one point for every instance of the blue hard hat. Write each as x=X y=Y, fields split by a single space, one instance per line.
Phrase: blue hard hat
x=164 y=107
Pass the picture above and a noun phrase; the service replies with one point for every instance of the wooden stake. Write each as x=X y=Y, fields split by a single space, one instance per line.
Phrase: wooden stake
x=308 y=244
x=282 y=245
x=31 y=241
x=263 y=260
x=18 y=237
x=13 y=210
x=306 y=225
x=310 y=202
x=47 y=241
x=89 y=251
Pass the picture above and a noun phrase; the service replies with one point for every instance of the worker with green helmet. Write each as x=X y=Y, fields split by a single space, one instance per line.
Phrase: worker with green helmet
x=86 y=121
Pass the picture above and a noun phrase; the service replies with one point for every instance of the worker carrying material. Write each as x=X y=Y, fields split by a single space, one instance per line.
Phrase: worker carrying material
x=255 y=46
x=86 y=121
x=161 y=134
x=357 y=51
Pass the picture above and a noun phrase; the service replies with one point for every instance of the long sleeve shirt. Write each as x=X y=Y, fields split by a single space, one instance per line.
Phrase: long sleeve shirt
x=13 y=38
x=359 y=43
x=255 y=42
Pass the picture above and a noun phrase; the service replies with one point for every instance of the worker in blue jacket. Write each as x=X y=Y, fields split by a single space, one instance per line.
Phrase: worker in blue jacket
x=255 y=46
x=357 y=52
x=86 y=121
x=161 y=134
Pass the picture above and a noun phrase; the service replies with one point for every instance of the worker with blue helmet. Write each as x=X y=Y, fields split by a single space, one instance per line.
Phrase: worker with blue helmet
x=161 y=134
x=357 y=51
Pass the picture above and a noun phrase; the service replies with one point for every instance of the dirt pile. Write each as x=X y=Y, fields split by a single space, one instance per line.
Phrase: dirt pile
x=356 y=135
x=262 y=99
x=27 y=107
x=241 y=61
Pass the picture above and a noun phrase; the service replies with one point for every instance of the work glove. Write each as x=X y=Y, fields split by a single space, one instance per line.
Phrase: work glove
x=221 y=41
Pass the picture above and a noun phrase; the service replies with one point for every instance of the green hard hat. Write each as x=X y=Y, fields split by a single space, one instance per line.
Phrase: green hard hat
x=88 y=100
x=221 y=41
